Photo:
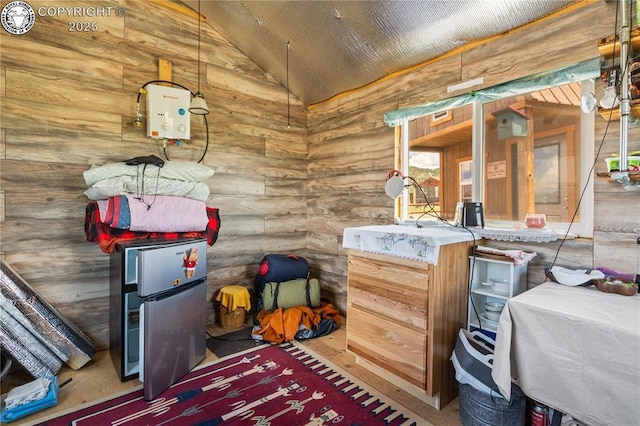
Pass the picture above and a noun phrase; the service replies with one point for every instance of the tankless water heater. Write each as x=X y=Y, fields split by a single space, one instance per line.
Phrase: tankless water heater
x=168 y=114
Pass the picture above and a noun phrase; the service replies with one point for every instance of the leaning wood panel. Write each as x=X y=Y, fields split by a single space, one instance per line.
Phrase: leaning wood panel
x=45 y=322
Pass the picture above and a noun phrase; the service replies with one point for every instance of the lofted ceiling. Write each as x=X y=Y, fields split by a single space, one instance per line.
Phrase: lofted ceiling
x=319 y=49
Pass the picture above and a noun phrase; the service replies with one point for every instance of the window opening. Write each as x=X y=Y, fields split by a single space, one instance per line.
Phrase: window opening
x=424 y=167
x=536 y=150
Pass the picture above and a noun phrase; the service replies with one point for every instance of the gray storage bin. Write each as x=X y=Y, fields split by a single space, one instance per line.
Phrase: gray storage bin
x=481 y=409
x=481 y=404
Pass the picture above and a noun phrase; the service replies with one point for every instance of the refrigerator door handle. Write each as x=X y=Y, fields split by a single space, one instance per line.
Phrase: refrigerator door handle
x=141 y=344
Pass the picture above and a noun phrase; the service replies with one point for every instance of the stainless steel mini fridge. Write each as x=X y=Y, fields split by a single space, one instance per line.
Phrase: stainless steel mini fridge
x=157 y=311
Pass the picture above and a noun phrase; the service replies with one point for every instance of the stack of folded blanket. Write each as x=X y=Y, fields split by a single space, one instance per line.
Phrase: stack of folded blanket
x=136 y=201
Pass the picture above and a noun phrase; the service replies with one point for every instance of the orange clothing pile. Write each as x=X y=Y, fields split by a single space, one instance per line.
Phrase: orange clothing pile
x=281 y=325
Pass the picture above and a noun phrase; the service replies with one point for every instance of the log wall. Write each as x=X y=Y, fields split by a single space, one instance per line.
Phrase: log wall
x=68 y=101
x=351 y=149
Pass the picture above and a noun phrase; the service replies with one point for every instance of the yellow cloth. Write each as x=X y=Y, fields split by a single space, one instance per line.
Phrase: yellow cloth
x=233 y=297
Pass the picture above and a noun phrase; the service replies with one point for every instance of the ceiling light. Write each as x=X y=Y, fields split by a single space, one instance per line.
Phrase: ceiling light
x=198 y=105
x=610 y=99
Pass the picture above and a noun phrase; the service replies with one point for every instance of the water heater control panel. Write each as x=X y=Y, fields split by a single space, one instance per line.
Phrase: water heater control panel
x=168 y=114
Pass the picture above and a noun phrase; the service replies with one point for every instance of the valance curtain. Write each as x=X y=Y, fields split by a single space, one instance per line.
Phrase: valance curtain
x=569 y=74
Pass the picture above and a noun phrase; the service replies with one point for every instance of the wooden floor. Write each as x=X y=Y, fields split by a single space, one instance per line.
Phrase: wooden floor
x=98 y=379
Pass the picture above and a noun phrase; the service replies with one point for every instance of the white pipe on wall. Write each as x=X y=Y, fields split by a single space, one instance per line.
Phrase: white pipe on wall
x=625 y=38
x=622 y=176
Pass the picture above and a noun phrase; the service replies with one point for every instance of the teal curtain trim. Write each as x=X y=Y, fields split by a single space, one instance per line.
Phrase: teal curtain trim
x=572 y=73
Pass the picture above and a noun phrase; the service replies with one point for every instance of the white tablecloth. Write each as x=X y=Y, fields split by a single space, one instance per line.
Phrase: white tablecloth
x=575 y=349
x=526 y=235
x=408 y=242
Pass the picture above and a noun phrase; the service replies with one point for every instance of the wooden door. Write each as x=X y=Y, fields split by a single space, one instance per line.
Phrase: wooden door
x=555 y=174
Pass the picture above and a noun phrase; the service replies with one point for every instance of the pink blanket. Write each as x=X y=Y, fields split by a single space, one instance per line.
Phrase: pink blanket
x=167 y=213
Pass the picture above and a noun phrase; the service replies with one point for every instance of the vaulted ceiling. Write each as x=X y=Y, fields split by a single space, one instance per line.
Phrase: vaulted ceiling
x=319 y=49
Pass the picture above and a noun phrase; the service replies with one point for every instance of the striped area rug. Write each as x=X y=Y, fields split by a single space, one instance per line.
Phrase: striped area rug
x=267 y=385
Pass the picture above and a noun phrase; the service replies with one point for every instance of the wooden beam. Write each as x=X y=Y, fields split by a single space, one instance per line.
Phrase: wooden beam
x=180 y=8
x=529 y=167
x=608 y=45
x=164 y=70
x=452 y=135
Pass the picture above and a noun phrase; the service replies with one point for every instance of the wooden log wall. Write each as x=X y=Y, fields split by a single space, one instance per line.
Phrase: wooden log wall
x=68 y=101
x=351 y=149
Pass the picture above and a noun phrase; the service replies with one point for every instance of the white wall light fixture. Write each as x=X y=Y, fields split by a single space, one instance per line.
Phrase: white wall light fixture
x=465 y=85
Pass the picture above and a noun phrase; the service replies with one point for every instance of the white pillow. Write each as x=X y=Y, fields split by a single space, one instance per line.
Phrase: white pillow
x=178 y=170
x=121 y=185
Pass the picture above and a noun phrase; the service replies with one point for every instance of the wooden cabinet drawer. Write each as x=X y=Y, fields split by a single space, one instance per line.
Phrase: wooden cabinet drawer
x=388 y=273
x=396 y=349
x=396 y=291
x=401 y=304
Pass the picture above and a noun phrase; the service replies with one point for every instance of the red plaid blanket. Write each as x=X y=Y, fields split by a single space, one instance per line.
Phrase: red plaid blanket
x=107 y=237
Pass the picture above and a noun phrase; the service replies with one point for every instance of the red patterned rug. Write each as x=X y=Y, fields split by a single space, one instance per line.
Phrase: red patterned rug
x=267 y=385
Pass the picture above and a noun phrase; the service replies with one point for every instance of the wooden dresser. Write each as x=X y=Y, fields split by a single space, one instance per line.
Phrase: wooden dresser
x=403 y=318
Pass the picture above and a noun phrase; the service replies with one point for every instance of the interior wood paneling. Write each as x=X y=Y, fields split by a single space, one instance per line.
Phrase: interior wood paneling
x=68 y=101
x=568 y=39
